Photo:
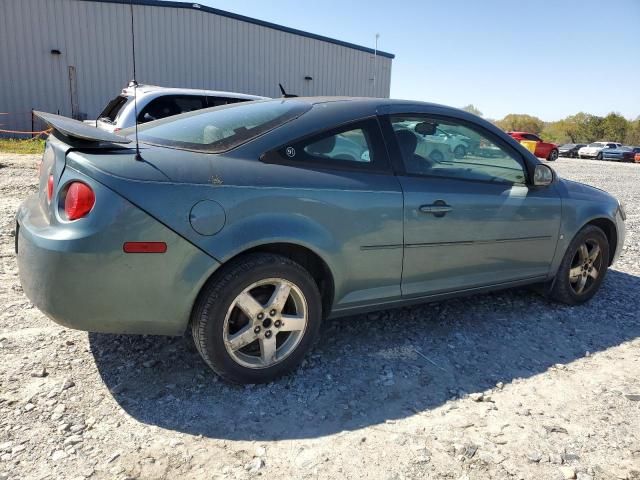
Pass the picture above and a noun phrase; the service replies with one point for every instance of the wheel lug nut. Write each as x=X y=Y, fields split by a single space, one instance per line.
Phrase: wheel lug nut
x=267 y=334
x=277 y=324
x=272 y=312
x=260 y=316
x=256 y=330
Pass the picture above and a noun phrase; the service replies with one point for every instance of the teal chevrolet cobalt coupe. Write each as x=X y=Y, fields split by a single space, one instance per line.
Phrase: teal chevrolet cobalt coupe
x=251 y=223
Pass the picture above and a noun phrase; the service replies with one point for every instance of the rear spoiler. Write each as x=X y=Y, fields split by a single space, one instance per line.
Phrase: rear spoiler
x=74 y=129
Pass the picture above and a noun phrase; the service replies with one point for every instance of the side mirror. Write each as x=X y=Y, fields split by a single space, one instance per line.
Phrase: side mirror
x=542 y=175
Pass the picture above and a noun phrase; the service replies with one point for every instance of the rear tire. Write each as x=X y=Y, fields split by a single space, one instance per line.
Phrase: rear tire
x=599 y=156
x=460 y=151
x=247 y=331
x=583 y=267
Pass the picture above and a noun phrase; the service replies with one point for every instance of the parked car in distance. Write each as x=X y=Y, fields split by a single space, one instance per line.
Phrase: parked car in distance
x=154 y=103
x=621 y=154
x=546 y=150
x=570 y=149
x=251 y=223
x=594 y=150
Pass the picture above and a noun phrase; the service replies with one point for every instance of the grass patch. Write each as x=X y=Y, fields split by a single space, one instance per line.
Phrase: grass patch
x=13 y=145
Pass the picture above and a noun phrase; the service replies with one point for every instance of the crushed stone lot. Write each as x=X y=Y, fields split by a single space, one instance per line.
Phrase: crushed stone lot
x=504 y=386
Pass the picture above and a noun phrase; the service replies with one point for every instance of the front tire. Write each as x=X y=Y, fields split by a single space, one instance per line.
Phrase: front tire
x=553 y=155
x=583 y=267
x=257 y=318
x=599 y=156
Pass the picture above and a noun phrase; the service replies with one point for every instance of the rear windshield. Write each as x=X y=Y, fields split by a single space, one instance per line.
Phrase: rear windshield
x=113 y=108
x=220 y=129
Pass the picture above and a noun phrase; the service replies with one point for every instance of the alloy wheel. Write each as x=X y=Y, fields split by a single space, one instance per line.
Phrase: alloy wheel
x=265 y=323
x=585 y=266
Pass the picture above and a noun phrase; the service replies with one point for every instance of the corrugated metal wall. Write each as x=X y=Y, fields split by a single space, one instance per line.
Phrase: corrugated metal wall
x=175 y=47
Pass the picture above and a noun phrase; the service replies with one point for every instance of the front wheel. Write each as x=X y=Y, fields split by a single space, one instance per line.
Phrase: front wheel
x=583 y=267
x=257 y=318
x=599 y=156
x=553 y=156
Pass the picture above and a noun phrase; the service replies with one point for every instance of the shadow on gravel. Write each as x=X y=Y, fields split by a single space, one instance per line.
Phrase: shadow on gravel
x=365 y=369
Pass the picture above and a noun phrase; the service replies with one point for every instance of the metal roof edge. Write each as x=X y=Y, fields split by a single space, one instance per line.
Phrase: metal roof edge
x=242 y=18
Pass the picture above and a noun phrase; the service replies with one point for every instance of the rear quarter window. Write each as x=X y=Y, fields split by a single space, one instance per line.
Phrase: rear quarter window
x=113 y=108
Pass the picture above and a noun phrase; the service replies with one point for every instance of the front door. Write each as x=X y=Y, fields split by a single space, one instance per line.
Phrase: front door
x=470 y=220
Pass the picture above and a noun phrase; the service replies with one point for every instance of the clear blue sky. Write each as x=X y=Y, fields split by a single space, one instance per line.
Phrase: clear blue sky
x=549 y=58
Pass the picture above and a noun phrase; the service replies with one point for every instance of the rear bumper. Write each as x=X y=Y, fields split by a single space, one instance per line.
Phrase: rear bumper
x=79 y=276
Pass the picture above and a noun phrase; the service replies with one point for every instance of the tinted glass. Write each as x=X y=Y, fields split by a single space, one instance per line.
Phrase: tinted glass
x=113 y=108
x=169 y=105
x=530 y=136
x=218 y=101
x=350 y=146
x=453 y=151
x=220 y=129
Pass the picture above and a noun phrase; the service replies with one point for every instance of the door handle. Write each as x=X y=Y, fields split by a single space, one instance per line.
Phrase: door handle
x=438 y=208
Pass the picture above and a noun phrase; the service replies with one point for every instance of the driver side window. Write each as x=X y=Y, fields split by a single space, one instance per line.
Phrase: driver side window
x=443 y=148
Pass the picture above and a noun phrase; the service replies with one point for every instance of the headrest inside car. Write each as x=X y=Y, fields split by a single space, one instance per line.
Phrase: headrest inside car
x=323 y=146
x=426 y=128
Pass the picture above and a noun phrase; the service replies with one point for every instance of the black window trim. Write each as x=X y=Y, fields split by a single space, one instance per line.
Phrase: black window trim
x=398 y=163
x=380 y=166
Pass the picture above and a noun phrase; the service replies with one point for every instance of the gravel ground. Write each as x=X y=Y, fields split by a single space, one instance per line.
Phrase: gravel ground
x=499 y=386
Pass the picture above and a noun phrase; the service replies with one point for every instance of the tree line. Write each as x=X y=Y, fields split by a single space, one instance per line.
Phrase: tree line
x=579 y=128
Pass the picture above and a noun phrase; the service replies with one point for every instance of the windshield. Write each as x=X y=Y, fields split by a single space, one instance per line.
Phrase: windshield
x=596 y=145
x=219 y=129
x=567 y=145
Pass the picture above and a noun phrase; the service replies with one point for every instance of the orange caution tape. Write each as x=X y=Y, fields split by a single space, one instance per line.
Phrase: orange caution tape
x=27 y=133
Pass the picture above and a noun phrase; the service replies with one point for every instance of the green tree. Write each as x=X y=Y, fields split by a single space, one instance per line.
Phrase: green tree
x=521 y=123
x=472 y=109
x=614 y=127
x=556 y=132
x=633 y=133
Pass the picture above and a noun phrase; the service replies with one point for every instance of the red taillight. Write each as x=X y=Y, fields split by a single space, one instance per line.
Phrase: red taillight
x=50 y=187
x=79 y=200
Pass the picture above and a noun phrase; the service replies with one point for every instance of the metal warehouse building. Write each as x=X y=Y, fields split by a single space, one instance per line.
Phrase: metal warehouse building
x=73 y=56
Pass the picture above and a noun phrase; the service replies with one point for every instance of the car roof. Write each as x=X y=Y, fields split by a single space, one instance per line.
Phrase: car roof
x=156 y=90
x=371 y=102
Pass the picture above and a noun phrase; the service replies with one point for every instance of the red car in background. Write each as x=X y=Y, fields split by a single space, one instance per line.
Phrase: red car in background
x=545 y=150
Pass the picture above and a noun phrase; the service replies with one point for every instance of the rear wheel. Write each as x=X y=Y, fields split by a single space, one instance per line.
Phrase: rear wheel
x=436 y=156
x=256 y=320
x=583 y=267
x=460 y=151
x=599 y=156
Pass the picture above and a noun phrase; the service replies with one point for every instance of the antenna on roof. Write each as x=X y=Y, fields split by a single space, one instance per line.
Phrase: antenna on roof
x=285 y=94
x=134 y=83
